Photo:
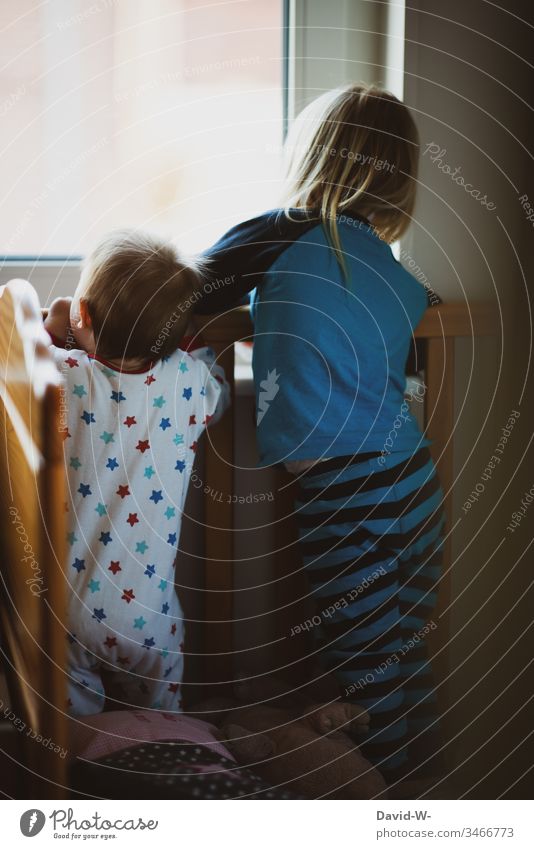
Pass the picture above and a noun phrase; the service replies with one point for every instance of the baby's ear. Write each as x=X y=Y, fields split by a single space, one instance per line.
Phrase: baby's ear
x=84 y=313
x=247 y=746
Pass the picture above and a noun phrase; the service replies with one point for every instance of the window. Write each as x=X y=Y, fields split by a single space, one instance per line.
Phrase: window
x=164 y=114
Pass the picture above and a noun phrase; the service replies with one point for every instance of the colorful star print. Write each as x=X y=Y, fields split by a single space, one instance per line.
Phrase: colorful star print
x=124 y=521
x=71 y=362
x=98 y=614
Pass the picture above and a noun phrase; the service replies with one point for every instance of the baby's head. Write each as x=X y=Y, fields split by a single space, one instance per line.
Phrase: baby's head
x=134 y=299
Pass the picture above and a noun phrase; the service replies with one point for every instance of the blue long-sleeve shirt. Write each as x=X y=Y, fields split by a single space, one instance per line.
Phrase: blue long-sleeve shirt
x=329 y=353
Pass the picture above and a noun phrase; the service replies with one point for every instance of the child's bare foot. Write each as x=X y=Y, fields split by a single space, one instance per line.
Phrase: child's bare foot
x=342 y=716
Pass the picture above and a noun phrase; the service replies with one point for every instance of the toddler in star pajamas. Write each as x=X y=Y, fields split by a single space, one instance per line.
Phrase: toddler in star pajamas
x=135 y=405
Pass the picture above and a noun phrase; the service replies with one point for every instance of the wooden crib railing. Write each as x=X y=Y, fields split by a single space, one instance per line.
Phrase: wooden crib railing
x=32 y=535
x=436 y=335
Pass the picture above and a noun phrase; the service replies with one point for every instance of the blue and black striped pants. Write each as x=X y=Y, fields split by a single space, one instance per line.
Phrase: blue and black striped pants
x=370 y=534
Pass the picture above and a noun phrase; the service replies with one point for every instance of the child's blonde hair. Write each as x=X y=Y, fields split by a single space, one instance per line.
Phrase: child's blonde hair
x=139 y=295
x=354 y=150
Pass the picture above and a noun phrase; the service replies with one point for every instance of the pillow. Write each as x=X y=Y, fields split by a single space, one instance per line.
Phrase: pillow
x=96 y=736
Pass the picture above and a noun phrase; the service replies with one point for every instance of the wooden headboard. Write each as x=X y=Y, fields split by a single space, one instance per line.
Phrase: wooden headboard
x=32 y=496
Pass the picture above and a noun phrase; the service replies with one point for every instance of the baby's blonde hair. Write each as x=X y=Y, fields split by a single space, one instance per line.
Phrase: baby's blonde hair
x=139 y=294
x=354 y=150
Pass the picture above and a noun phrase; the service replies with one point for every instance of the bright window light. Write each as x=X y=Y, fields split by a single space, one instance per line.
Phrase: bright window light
x=161 y=114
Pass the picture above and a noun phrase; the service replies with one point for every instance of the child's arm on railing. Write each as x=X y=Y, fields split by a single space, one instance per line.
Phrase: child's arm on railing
x=57 y=321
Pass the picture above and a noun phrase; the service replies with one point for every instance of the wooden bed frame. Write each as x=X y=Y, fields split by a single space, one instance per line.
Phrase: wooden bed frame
x=32 y=499
x=32 y=493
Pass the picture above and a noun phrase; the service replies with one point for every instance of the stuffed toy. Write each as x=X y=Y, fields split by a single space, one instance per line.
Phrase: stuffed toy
x=305 y=748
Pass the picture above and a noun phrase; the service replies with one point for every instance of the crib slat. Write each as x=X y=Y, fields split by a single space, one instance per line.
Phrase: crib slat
x=219 y=541
x=439 y=420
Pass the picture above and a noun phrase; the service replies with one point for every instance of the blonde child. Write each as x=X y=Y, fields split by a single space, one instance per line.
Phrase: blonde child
x=136 y=405
x=334 y=315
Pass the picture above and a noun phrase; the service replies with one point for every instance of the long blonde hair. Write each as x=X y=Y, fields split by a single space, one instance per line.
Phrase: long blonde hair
x=354 y=150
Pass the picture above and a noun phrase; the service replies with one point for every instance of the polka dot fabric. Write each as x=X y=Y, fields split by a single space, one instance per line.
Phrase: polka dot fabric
x=179 y=770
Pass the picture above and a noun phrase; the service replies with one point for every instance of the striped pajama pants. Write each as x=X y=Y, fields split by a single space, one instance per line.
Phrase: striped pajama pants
x=370 y=534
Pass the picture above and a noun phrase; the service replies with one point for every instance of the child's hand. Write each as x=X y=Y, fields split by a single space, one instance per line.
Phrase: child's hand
x=57 y=322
